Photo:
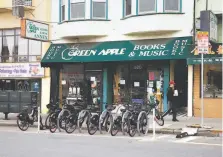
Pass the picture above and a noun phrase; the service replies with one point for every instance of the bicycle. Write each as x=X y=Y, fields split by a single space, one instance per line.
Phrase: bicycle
x=106 y=118
x=85 y=114
x=117 y=123
x=24 y=119
x=72 y=120
x=132 y=122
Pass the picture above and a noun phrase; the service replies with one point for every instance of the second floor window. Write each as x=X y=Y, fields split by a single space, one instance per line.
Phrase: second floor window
x=99 y=9
x=128 y=7
x=146 y=6
x=171 y=5
x=13 y=48
x=77 y=9
x=63 y=10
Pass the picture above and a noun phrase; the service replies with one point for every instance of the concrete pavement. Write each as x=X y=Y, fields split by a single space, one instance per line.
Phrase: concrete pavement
x=26 y=144
x=168 y=128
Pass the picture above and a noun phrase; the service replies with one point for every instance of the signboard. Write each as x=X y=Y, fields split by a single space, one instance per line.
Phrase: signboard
x=209 y=23
x=202 y=42
x=34 y=30
x=21 y=70
x=157 y=49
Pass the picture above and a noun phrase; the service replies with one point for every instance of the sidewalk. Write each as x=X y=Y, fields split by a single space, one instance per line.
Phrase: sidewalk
x=168 y=128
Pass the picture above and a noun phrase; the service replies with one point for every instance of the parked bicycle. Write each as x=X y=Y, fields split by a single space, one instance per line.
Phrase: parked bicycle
x=72 y=120
x=117 y=123
x=93 y=120
x=106 y=118
x=24 y=119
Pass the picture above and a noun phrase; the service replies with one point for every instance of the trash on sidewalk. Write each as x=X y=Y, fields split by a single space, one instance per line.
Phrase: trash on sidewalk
x=187 y=132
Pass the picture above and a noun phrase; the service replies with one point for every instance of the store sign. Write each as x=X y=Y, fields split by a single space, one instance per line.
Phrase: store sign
x=34 y=30
x=209 y=23
x=214 y=60
x=21 y=70
x=177 y=48
x=202 y=42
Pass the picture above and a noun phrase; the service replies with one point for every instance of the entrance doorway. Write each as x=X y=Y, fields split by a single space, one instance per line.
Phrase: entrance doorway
x=181 y=80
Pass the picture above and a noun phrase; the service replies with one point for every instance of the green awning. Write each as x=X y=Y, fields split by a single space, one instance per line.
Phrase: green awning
x=214 y=60
x=154 y=49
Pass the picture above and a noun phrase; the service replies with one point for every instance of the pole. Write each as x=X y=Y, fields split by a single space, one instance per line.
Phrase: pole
x=202 y=89
x=154 y=125
x=38 y=119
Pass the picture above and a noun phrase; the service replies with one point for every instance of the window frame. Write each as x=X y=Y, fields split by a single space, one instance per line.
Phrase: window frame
x=78 y=2
x=125 y=9
x=15 y=35
x=92 y=9
x=144 y=12
x=172 y=11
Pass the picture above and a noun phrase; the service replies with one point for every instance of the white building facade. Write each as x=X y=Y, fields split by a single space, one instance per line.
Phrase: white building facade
x=121 y=36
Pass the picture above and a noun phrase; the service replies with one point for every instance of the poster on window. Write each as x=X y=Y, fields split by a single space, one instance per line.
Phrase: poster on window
x=21 y=70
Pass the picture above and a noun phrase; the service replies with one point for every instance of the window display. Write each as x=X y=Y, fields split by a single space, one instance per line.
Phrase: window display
x=213 y=81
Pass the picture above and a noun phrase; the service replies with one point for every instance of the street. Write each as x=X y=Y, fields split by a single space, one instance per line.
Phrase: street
x=15 y=143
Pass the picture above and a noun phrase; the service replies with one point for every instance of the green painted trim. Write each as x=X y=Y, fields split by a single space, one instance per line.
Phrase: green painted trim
x=82 y=20
x=137 y=7
x=69 y=10
x=59 y=11
x=165 y=86
x=123 y=8
x=106 y=10
x=151 y=14
x=105 y=87
x=91 y=5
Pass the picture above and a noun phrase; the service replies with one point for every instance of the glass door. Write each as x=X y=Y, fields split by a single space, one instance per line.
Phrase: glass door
x=138 y=83
x=94 y=87
x=155 y=84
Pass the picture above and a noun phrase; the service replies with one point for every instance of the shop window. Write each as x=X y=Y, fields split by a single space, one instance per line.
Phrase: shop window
x=146 y=6
x=128 y=7
x=171 y=5
x=21 y=49
x=213 y=81
x=7 y=46
x=77 y=9
x=120 y=84
x=34 y=50
x=72 y=81
x=99 y=9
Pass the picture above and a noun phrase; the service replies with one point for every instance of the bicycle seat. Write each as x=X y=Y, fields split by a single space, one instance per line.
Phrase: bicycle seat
x=123 y=110
x=110 y=107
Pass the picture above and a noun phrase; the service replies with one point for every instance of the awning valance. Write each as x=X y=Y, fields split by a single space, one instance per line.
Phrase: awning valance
x=156 y=49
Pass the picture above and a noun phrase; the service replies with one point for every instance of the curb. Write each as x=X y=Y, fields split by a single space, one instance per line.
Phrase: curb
x=206 y=133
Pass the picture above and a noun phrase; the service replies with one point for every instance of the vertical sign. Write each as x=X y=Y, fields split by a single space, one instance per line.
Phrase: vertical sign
x=202 y=42
x=202 y=47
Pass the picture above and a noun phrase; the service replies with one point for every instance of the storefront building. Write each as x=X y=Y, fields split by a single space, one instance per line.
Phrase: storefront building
x=212 y=81
x=119 y=71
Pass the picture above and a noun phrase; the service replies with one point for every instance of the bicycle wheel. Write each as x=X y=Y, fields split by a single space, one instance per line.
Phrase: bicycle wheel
x=71 y=124
x=114 y=129
x=158 y=118
x=47 y=121
x=108 y=122
x=132 y=129
x=142 y=123
x=22 y=124
x=53 y=123
x=92 y=124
